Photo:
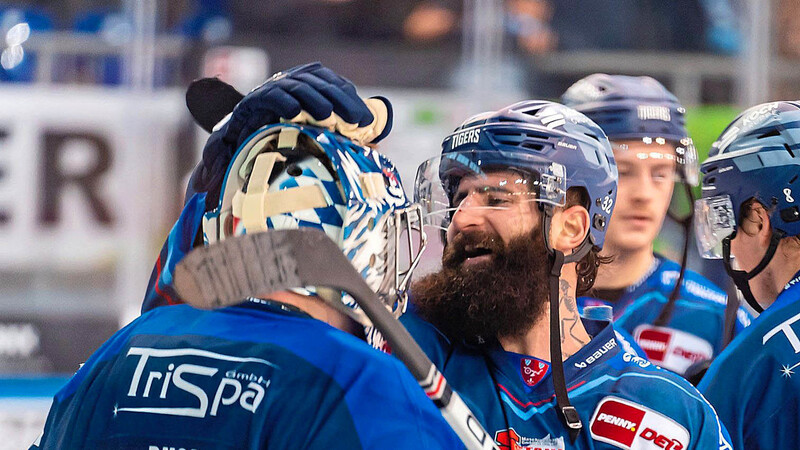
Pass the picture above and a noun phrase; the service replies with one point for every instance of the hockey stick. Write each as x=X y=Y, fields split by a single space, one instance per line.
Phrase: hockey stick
x=229 y=271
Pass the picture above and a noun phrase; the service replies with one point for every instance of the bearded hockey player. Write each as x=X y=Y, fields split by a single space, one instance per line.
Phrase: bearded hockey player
x=750 y=217
x=284 y=370
x=524 y=196
x=677 y=325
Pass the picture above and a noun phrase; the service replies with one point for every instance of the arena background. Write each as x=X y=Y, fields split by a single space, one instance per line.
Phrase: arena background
x=96 y=144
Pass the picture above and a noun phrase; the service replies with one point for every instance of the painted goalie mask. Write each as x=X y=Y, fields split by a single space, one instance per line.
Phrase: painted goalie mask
x=288 y=176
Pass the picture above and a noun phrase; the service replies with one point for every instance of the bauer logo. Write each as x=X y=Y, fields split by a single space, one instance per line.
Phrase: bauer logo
x=466 y=137
x=632 y=426
x=193 y=383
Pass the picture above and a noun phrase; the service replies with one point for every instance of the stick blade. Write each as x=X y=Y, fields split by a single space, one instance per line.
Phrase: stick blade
x=229 y=271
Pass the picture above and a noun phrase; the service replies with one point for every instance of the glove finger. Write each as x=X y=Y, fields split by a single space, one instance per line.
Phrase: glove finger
x=347 y=106
x=334 y=79
x=310 y=100
x=261 y=108
x=381 y=108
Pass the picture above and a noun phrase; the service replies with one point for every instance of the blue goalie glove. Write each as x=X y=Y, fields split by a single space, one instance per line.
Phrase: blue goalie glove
x=310 y=94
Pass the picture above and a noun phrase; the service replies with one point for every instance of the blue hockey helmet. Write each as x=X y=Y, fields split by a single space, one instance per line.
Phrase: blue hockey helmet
x=287 y=176
x=756 y=157
x=551 y=146
x=633 y=108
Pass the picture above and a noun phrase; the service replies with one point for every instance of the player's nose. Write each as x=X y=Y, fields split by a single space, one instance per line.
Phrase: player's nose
x=470 y=214
x=644 y=188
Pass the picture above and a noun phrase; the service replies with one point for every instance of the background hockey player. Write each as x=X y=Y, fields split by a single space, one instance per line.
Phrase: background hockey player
x=281 y=371
x=516 y=190
x=645 y=123
x=750 y=216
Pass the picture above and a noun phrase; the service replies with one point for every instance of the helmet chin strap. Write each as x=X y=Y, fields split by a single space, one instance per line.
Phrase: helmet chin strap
x=742 y=278
x=557 y=260
x=665 y=315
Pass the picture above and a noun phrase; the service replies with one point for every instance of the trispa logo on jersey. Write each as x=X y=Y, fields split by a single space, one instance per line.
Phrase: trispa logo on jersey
x=597 y=354
x=510 y=440
x=466 y=137
x=631 y=426
x=533 y=370
x=194 y=383
x=673 y=349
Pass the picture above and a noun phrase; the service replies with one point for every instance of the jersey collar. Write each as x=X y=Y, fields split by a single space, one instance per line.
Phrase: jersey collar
x=273 y=306
x=789 y=294
x=577 y=367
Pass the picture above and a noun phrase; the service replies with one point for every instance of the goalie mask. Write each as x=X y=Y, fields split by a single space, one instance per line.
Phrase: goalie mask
x=288 y=176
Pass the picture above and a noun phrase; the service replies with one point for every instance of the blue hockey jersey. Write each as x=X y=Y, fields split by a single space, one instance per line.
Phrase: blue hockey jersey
x=754 y=384
x=250 y=376
x=695 y=331
x=623 y=400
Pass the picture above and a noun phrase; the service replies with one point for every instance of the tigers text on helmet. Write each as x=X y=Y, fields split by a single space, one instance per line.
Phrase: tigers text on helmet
x=633 y=108
x=287 y=176
x=532 y=151
x=757 y=156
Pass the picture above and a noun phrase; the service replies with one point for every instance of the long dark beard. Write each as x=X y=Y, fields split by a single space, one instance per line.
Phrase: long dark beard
x=502 y=297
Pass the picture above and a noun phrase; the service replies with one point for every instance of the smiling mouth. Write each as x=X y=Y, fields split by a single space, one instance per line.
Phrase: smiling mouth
x=475 y=252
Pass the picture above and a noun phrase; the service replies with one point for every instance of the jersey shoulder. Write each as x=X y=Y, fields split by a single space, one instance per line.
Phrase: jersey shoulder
x=653 y=386
x=694 y=287
x=661 y=405
x=771 y=334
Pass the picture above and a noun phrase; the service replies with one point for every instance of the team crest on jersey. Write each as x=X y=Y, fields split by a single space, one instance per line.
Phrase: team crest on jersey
x=631 y=426
x=510 y=440
x=533 y=370
x=670 y=348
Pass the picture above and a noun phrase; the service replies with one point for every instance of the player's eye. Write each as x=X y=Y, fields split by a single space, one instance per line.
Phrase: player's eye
x=662 y=175
x=497 y=199
x=458 y=198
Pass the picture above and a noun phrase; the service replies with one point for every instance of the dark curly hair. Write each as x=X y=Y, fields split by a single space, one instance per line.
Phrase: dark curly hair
x=588 y=266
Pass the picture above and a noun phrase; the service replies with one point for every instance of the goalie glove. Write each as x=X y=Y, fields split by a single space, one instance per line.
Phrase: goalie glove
x=310 y=93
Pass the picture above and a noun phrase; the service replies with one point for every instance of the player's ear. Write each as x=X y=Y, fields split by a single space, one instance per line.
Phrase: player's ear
x=572 y=226
x=765 y=227
x=756 y=223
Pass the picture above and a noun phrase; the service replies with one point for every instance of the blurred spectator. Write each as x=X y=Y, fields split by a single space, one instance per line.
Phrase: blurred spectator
x=787 y=24
x=528 y=21
x=208 y=21
x=429 y=21
x=16 y=25
x=114 y=29
x=658 y=25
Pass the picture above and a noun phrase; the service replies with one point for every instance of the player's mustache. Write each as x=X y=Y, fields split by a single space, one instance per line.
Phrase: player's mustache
x=465 y=245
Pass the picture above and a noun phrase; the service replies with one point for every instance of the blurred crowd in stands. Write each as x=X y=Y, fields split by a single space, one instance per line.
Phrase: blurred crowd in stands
x=414 y=35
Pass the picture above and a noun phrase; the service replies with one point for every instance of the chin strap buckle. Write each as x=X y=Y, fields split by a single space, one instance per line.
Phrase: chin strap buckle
x=571 y=417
